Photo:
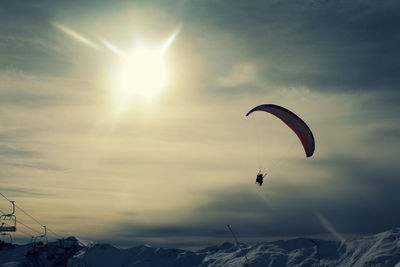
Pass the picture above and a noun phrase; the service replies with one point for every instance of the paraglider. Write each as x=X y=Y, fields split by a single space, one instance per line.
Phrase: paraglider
x=298 y=126
x=260 y=178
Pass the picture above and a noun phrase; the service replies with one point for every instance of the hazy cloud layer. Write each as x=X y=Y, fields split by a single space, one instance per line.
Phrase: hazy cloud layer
x=359 y=200
x=322 y=45
x=175 y=171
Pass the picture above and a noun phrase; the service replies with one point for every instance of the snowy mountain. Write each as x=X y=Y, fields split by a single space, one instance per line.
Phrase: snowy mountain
x=376 y=250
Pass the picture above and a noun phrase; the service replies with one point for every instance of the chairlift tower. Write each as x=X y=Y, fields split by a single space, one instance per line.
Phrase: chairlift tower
x=238 y=244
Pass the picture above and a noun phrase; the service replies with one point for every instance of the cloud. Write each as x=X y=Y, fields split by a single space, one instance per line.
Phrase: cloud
x=25 y=43
x=355 y=199
x=178 y=172
x=28 y=91
x=7 y=151
x=241 y=74
x=386 y=134
x=328 y=46
x=24 y=192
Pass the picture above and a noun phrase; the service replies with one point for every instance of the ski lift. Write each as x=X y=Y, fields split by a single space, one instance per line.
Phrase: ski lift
x=8 y=222
x=40 y=241
x=5 y=244
x=11 y=240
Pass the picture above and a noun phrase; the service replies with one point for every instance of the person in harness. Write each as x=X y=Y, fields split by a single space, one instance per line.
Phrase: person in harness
x=260 y=178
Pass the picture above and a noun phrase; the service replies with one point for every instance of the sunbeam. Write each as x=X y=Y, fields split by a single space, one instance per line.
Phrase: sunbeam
x=76 y=35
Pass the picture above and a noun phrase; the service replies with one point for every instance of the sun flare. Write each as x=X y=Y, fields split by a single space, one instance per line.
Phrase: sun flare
x=143 y=73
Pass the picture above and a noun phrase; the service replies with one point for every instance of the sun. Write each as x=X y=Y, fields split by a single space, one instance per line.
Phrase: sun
x=143 y=73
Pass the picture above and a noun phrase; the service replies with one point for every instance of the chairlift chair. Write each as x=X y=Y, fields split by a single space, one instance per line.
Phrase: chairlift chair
x=8 y=222
x=11 y=240
x=40 y=241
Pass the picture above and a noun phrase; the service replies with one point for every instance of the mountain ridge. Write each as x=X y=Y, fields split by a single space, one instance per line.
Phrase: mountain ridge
x=382 y=249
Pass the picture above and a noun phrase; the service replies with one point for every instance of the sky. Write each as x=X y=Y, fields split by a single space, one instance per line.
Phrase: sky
x=86 y=155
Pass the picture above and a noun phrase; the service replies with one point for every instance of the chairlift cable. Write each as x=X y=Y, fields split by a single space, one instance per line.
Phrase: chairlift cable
x=57 y=235
x=5 y=197
x=19 y=222
x=33 y=230
x=22 y=210
x=19 y=230
x=37 y=221
x=29 y=216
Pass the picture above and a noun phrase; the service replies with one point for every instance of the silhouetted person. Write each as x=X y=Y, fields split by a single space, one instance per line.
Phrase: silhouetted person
x=260 y=178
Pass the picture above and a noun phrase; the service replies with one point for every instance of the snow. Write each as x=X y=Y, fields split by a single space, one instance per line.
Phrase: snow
x=381 y=249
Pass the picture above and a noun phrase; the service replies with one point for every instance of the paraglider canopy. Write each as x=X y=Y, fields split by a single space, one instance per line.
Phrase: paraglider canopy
x=294 y=122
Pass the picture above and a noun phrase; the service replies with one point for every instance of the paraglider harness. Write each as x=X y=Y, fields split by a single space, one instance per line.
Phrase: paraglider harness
x=260 y=177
